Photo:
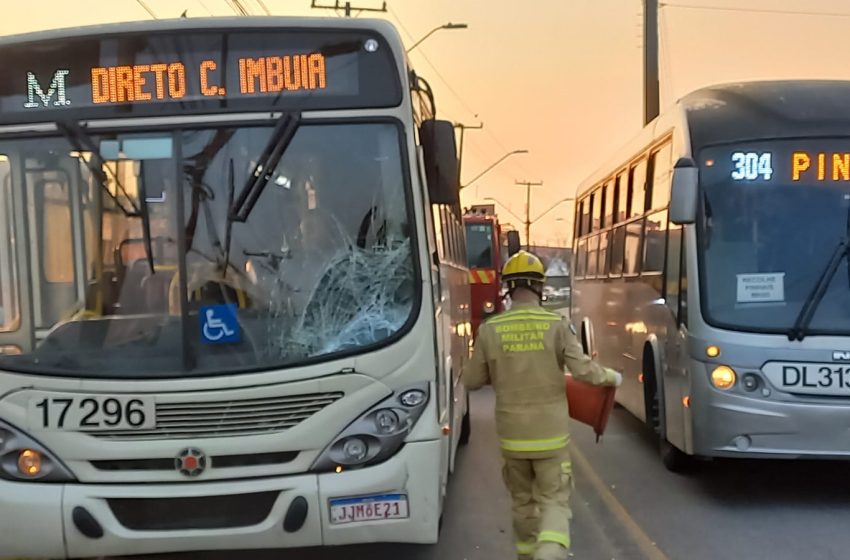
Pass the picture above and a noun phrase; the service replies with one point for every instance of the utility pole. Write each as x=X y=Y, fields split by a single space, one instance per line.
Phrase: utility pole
x=651 y=92
x=347 y=7
x=528 y=185
x=463 y=127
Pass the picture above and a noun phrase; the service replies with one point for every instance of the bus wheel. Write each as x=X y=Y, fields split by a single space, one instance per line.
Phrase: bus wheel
x=674 y=459
x=466 y=425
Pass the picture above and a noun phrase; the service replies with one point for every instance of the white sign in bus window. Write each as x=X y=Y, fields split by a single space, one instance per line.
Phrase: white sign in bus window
x=754 y=288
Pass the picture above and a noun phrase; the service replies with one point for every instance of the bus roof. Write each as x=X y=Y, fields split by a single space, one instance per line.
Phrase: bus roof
x=753 y=110
x=182 y=24
x=735 y=112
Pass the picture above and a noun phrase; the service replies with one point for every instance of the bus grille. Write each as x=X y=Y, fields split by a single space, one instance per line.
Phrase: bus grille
x=227 y=418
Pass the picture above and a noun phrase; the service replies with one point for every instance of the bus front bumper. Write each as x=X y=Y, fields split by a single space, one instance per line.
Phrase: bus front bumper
x=50 y=520
x=732 y=425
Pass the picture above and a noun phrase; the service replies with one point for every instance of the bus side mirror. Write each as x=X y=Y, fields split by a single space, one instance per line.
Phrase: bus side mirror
x=440 y=161
x=513 y=243
x=684 y=195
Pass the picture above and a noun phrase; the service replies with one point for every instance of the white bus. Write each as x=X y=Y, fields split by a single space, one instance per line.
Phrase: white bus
x=233 y=308
x=725 y=298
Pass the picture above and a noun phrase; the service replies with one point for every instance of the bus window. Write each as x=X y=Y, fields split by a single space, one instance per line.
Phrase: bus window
x=622 y=197
x=661 y=178
x=654 y=240
x=608 y=194
x=438 y=231
x=458 y=239
x=9 y=311
x=637 y=188
x=674 y=256
x=448 y=234
x=596 y=212
x=579 y=211
x=462 y=256
x=479 y=240
x=631 y=263
x=618 y=242
x=602 y=267
x=592 y=255
x=581 y=259
x=585 y=216
x=57 y=234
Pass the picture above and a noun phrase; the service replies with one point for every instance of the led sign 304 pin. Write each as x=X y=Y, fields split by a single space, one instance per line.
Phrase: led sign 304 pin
x=833 y=166
x=750 y=166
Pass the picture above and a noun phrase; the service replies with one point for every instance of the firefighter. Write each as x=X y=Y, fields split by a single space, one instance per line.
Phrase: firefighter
x=523 y=353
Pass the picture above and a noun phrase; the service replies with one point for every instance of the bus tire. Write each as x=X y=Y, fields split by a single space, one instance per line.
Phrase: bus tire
x=465 y=425
x=675 y=460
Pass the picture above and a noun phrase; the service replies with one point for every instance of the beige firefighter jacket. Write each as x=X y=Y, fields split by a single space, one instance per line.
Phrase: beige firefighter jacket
x=523 y=354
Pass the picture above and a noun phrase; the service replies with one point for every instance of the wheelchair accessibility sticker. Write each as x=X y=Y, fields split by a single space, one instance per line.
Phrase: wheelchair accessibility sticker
x=219 y=324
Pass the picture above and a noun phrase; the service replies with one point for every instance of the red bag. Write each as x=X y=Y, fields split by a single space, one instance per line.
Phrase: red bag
x=590 y=404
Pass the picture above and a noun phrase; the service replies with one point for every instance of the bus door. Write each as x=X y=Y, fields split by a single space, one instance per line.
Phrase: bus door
x=56 y=240
x=15 y=328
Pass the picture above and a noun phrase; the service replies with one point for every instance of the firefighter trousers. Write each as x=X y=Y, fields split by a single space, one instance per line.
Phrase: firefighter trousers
x=540 y=490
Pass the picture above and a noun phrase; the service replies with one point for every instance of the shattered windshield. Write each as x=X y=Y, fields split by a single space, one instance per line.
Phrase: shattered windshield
x=321 y=265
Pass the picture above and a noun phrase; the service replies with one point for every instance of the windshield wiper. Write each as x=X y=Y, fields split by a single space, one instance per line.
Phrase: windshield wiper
x=812 y=301
x=228 y=234
x=82 y=142
x=282 y=136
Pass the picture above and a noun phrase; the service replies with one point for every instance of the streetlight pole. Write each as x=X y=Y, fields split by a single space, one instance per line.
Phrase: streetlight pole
x=444 y=26
x=528 y=185
x=463 y=127
x=497 y=162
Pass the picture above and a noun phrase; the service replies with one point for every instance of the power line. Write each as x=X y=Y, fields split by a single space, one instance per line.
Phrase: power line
x=204 y=6
x=264 y=7
x=452 y=90
x=236 y=6
x=753 y=10
x=433 y=66
x=147 y=8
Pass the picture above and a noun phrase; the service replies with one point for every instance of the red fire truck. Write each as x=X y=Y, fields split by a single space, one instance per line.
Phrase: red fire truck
x=484 y=254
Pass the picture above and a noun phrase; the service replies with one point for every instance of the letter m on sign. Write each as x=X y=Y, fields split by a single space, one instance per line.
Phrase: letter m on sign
x=36 y=96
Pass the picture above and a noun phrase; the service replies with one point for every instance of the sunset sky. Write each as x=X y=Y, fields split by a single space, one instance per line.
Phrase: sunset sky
x=560 y=78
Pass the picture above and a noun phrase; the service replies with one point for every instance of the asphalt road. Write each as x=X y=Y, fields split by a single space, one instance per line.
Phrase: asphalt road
x=627 y=506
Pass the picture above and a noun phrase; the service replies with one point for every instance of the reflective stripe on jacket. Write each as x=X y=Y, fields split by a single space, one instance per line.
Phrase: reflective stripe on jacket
x=523 y=353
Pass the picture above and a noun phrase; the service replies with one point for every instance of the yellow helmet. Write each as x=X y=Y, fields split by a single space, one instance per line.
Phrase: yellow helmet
x=524 y=269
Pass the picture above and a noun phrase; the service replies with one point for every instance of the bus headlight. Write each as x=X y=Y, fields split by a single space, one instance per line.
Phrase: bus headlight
x=723 y=377
x=386 y=421
x=376 y=435
x=489 y=307
x=355 y=449
x=413 y=397
x=23 y=458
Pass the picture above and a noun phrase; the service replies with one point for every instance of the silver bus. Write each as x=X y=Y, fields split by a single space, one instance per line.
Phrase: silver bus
x=712 y=269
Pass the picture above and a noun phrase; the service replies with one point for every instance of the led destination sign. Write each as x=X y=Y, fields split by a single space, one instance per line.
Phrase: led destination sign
x=167 y=73
x=162 y=81
x=804 y=162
